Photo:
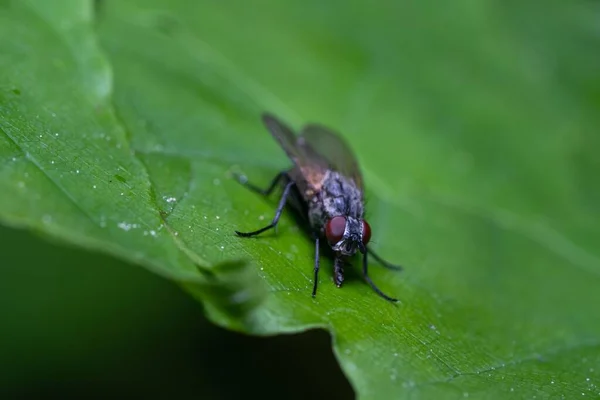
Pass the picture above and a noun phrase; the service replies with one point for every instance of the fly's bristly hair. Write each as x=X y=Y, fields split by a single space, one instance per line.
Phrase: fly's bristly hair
x=347 y=209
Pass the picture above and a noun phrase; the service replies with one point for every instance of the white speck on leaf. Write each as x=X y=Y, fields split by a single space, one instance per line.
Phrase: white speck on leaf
x=170 y=199
x=261 y=217
x=77 y=171
x=153 y=233
x=125 y=226
x=94 y=186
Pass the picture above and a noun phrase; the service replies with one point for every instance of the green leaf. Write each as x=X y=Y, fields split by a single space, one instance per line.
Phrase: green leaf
x=475 y=125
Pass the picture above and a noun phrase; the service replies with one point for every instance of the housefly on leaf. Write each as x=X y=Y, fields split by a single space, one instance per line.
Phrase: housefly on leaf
x=325 y=186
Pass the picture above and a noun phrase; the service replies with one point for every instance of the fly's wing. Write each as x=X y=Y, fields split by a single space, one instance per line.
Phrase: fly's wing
x=311 y=165
x=335 y=151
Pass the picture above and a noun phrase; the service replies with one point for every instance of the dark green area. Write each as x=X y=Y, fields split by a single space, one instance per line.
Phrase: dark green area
x=475 y=123
x=86 y=323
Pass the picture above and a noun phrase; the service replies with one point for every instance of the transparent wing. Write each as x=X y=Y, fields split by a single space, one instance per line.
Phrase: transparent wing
x=334 y=149
x=311 y=164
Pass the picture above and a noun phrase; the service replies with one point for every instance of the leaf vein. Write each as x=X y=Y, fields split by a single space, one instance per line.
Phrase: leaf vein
x=36 y=164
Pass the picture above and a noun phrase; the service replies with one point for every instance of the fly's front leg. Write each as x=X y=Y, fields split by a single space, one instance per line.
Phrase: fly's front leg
x=368 y=279
x=383 y=262
x=316 y=278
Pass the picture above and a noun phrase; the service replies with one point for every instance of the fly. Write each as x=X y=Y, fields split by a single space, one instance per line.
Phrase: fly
x=326 y=186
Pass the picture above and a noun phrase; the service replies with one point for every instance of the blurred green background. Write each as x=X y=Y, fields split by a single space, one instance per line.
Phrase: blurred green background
x=75 y=323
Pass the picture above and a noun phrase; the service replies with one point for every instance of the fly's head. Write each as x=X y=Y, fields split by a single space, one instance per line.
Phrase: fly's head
x=346 y=234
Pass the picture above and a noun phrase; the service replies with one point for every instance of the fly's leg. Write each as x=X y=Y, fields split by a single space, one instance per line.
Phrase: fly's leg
x=338 y=271
x=384 y=263
x=314 y=292
x=273 y=224
x=370 y=282
x=265 y=192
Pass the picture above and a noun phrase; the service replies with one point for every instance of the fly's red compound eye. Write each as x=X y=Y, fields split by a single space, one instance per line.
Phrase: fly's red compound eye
x=334 y=229
x=366 y=236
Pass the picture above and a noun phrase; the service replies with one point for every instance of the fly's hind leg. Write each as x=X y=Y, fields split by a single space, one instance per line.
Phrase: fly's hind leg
x=265 y=192
x=282 y=201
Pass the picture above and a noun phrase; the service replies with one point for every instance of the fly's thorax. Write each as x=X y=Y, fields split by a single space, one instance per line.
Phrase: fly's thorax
x=338 y=196
x=316 y=214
